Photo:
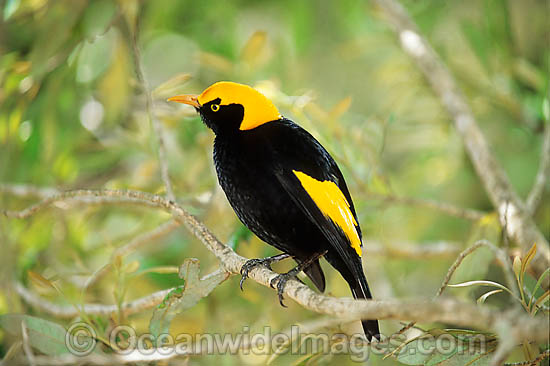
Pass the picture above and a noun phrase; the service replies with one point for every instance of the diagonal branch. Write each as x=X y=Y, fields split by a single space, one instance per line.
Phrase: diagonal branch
x=514 y=216
x=518 y=326
x=542 y=180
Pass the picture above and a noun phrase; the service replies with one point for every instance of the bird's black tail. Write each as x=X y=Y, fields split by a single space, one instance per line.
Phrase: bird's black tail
x=360 y=289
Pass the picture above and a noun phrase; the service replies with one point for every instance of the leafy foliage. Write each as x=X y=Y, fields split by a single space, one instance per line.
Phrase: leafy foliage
x=43 y=335
x=185 y=296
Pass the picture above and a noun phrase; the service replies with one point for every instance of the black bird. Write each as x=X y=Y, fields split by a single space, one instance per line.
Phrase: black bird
x=284 y=186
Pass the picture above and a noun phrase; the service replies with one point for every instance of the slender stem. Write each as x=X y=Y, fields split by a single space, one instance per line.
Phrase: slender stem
x=157 y=127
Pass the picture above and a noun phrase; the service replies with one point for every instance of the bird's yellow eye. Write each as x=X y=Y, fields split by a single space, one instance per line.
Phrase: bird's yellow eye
x=215 y=107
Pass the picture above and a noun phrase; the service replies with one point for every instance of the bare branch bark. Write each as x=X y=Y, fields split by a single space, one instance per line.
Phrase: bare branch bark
x=514 y=215
x=517 y=325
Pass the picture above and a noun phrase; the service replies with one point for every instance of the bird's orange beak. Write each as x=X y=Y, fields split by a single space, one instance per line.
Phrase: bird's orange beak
x=190 y=99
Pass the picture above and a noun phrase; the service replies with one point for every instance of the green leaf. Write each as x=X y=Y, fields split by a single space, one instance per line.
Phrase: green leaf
x=418 y=351
x=537 y=286
x=528 y=257
x=438 y=358
x=43 y=335
x=184 y=297
x=465 y=359
x=541 y=300
x=169 y=87
x=95 y=57
x=484 y=297
x=97 y=17
x=481 y=283
x=517 y=266
x=448 y=347
x=539 y=282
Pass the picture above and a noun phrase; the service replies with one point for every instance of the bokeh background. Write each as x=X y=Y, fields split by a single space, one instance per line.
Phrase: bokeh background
x=73 y=115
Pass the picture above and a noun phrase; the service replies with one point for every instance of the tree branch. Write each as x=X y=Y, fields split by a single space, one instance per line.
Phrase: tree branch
x=519 y=326
x=514 y=215
x=71 y=311
x=542 y=179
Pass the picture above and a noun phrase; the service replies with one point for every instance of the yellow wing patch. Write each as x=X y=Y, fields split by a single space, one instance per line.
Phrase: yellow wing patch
x=333 y=204
x=257 y=108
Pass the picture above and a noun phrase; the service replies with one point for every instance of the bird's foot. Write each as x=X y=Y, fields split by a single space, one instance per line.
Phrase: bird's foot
x=252 y=263
x=280 y=281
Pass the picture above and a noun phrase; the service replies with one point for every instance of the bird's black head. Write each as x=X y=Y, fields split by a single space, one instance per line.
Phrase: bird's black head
x=221 y=118
x=228 y=107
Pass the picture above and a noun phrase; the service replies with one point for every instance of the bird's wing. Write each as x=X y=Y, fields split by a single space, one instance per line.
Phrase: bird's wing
x=327 y=207
x=316 y=185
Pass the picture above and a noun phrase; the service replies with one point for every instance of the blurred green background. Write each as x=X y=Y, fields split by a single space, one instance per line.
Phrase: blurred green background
x=72 y=115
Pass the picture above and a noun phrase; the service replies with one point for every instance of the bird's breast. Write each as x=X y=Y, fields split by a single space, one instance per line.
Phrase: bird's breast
x=246 y=176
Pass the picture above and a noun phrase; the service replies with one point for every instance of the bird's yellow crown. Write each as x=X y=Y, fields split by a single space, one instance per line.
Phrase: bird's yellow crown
x=257 y=108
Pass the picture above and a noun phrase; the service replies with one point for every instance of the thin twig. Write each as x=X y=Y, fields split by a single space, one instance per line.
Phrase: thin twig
x=520 y=226
x=500 y=254
x=534 y=362
x=542 y=180
x=441 y=310
x=26 y=190
x=130 y=247
x=87 y=196
x=157 y=127
x=132 y=357
x=447 y=208
x=405 y=250
x=26 y=344
x=68 y=312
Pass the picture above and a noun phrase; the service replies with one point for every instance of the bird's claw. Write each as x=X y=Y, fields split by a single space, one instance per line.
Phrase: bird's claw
x=251 y=264
x=279 y=283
